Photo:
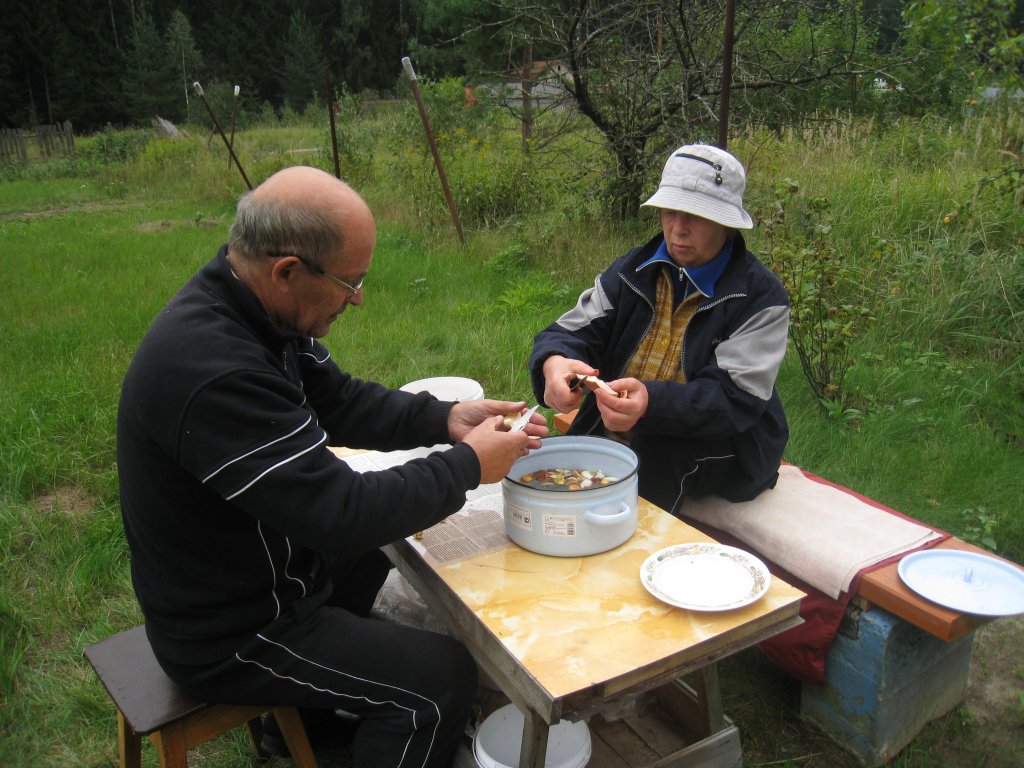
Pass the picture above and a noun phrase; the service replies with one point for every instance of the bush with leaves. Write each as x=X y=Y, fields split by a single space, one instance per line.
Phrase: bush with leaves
x=828 y=306
x=490 y=178
x=488 y=184
x=118 y=146
x=355 y=143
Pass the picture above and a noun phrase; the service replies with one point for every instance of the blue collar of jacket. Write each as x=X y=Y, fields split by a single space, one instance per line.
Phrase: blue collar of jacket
x=703 y=278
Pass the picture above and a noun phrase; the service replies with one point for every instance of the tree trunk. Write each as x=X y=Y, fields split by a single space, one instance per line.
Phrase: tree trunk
x=113 y=25
x=627 y=190
x=49 y=106
x=527 y=97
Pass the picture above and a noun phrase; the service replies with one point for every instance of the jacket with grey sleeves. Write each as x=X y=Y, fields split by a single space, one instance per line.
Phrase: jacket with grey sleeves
x=234 y=509
x=732 y=351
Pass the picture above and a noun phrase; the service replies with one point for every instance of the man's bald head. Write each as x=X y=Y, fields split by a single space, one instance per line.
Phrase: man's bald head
x=304 y=211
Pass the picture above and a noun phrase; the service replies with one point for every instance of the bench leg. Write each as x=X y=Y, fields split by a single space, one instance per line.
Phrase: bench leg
x=884 y=680
x=255 y=729
x=170 y=746
x=129 y=744
x=294 y=733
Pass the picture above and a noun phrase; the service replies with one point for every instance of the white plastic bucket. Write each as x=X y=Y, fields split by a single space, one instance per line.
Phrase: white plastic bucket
x=499 y=738
x=451 y=388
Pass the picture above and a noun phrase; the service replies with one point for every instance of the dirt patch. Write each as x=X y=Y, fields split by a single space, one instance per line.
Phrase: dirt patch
x=147 y=226
x=50 y=212
x=168 y=224
x=994 y=707
x=155 y=226
x=67 y=499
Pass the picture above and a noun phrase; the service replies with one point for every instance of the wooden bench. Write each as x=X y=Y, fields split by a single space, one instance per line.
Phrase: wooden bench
x=898 y=662
x=901 y=663
x=563 y=420
x=883 y=588
x=150 y=704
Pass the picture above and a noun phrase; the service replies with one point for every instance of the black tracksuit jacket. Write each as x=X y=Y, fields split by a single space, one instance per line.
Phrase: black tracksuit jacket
x=233 y=506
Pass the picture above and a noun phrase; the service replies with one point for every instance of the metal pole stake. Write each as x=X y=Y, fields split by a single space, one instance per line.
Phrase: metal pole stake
x=234 y=102
x=329 y=93
x=433 y=148
x=199 y=89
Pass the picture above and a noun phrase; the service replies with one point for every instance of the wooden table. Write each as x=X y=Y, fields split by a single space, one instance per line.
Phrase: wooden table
x=568 y=637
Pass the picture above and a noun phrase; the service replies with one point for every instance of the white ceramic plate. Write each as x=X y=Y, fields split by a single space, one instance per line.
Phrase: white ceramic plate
x=705 y=577
x=969 y=582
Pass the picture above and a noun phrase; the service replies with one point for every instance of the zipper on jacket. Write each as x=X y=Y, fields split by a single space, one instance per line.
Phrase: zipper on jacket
x=702 y=308
x=647 y=330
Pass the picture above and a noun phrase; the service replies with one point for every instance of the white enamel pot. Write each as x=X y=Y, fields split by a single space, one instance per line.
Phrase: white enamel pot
x=572 y=523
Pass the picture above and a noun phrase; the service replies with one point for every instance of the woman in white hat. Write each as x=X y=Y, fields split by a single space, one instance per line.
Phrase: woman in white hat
x=690 y=330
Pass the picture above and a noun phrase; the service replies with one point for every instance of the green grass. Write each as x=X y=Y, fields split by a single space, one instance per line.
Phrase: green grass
x=934 y=408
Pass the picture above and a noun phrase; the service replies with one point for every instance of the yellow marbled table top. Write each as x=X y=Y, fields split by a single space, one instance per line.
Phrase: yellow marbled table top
x=585 y=628
x=578 y=621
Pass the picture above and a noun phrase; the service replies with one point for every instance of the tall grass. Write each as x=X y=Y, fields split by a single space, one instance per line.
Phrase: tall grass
x=934 y=422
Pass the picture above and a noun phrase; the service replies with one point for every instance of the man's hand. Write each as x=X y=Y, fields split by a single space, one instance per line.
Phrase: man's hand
x=464 y=416
x=559 y=375
x=497 y=448
x=481 y=425
x=620 y=414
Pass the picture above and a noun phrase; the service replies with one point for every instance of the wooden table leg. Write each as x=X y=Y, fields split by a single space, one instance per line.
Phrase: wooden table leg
x=711 y=696
x=698 y=709
x=534 y=747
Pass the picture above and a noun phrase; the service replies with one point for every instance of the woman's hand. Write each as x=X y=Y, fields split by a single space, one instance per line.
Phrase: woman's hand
x=620 y=414
x=559 y=378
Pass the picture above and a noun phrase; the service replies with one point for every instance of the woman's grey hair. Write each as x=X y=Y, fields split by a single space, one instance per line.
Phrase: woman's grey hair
x=272 y=228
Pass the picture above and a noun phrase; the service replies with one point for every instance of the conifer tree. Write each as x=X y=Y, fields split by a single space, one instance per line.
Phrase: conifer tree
x=302 y=69
x=184 y=57
x=149 y=82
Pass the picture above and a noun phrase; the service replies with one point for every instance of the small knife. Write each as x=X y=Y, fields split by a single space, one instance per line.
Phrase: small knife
x=523 y=420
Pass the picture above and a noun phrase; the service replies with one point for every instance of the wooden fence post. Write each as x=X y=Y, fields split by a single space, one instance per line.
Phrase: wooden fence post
x=43 y=140
x=53 y=138
x=69 y=137
x=50 y=138
x=10 y=146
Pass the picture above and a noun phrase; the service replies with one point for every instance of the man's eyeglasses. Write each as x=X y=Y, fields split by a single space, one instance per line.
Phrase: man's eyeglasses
x=317 y=270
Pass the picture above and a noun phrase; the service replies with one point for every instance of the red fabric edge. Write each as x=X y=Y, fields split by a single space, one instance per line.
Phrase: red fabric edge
x=803 y=650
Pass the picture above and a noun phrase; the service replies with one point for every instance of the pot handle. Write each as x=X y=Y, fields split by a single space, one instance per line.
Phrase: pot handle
x=618 y=517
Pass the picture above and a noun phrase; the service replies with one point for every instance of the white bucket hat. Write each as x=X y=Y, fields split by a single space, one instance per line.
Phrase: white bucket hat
x=705 y=181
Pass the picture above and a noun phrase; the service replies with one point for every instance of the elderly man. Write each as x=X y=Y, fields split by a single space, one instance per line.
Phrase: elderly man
x=691 y=328
x=255 y=551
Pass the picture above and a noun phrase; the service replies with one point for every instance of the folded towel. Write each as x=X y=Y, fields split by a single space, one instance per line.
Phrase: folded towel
x=821 y=533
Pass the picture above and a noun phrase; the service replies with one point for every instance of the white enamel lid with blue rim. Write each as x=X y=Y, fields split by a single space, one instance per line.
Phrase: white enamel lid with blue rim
x=969 y=582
